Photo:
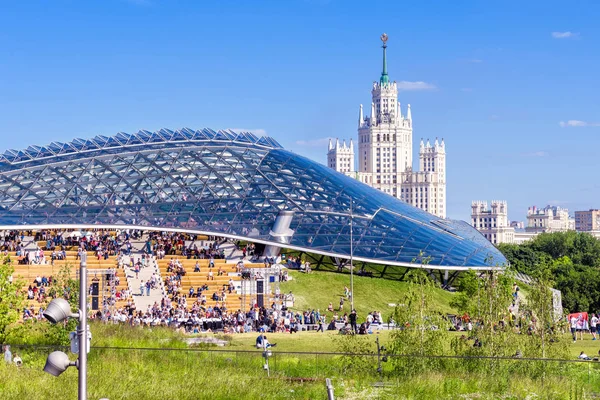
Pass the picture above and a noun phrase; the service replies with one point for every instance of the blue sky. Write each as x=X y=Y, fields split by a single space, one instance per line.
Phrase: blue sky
x=512 y=86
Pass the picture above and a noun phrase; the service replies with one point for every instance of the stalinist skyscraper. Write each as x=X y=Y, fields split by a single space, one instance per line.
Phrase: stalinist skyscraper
x=385 y=155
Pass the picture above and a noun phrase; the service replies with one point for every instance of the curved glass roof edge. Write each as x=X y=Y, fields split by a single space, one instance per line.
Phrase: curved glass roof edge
x=140 y=147
x=124 y=140
x=251 y=239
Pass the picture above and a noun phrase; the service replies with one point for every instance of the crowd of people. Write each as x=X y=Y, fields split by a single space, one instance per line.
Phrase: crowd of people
x=37 y=290
x=102 y=244
x=163 y=244
x=191 y=309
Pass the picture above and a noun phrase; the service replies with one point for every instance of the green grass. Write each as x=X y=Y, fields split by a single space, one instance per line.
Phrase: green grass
x=327 y=342
x=157 y=373
x=159 y=365
x=317 y=289
x=302 y=341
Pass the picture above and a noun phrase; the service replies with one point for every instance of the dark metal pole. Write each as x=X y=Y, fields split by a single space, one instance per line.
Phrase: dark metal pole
x=82 y=330
x=379 y=369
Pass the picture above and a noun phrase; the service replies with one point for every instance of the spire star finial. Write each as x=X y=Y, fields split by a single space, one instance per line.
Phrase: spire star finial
x=384 y=38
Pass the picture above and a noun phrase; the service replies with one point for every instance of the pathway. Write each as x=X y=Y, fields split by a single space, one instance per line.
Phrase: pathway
x=156 y=294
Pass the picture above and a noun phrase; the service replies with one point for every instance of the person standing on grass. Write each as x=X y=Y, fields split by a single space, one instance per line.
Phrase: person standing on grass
x=7 y=354
x=341 y=303
x=574 y=328
x=593 y=325
x=320 y=328
x=142 y=287
x=353 y=317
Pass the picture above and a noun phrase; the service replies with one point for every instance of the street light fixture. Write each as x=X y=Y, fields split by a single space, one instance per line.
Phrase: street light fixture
x=59 y=310
x=57 y=363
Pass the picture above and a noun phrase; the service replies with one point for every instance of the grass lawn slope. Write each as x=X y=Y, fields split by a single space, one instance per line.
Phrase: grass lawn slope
x=317 y=289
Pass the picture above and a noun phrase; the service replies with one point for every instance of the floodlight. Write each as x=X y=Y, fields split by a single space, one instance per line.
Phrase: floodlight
x=57 y=363
x=58 y=310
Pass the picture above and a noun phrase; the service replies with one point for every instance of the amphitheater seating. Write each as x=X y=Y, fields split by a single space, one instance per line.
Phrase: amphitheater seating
x=198 y=279
x=29 y=272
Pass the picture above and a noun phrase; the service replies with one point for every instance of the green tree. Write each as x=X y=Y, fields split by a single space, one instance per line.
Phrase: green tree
x=545 y=339
x=574 y=258
x=65 y=286
x=422 y=329
x=465 y=300
x=12 y=297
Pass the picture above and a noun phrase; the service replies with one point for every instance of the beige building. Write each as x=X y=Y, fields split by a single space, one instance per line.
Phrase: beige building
x=426 y=188
x=587 y=221
x=492 y=222
x=549 y=219
x=385 y=151
x=341 y=157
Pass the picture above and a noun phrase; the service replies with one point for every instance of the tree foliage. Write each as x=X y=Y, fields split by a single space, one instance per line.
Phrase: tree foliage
x=422 y=329
x=12 y=297
x=571 y=260
x=12 y=300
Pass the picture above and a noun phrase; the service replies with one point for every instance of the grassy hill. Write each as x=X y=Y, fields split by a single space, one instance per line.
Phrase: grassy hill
x=317 y=289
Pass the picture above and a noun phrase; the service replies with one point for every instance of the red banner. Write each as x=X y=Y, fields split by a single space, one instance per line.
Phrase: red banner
x=581 y=320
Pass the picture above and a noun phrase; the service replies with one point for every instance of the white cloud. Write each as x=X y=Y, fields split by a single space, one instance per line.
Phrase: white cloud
x=257 y=132
x=419 y=85
x=564 y=35
x=574 y=123
x=321 y=142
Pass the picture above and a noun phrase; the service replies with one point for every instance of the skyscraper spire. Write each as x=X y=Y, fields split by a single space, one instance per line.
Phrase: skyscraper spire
x=330 y=145
x=384 y=75
x=360 y=117
x=373 y=116
x=408 y=113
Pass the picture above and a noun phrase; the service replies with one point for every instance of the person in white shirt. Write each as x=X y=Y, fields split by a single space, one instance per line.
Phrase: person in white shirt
x=574 y=328
x=593 y=325
x=17 y=360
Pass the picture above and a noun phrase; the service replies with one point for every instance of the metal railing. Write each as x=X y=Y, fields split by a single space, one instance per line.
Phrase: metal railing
x=309 y=364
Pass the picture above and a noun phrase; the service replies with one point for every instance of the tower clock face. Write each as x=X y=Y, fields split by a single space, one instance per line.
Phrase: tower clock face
x=384 y=37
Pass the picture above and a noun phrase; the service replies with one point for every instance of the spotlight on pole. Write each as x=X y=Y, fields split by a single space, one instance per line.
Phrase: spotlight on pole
x=58 y=310
x=57 y=363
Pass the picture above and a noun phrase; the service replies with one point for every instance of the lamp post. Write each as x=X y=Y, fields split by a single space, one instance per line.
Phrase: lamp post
x=82 y=329
x=59 y=310
x=351 y=257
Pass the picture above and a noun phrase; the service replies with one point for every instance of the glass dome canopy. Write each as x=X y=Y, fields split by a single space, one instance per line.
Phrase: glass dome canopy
x=227 y=184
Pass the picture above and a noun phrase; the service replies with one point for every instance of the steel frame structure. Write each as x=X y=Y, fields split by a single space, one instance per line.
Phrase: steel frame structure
x=225 y=184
